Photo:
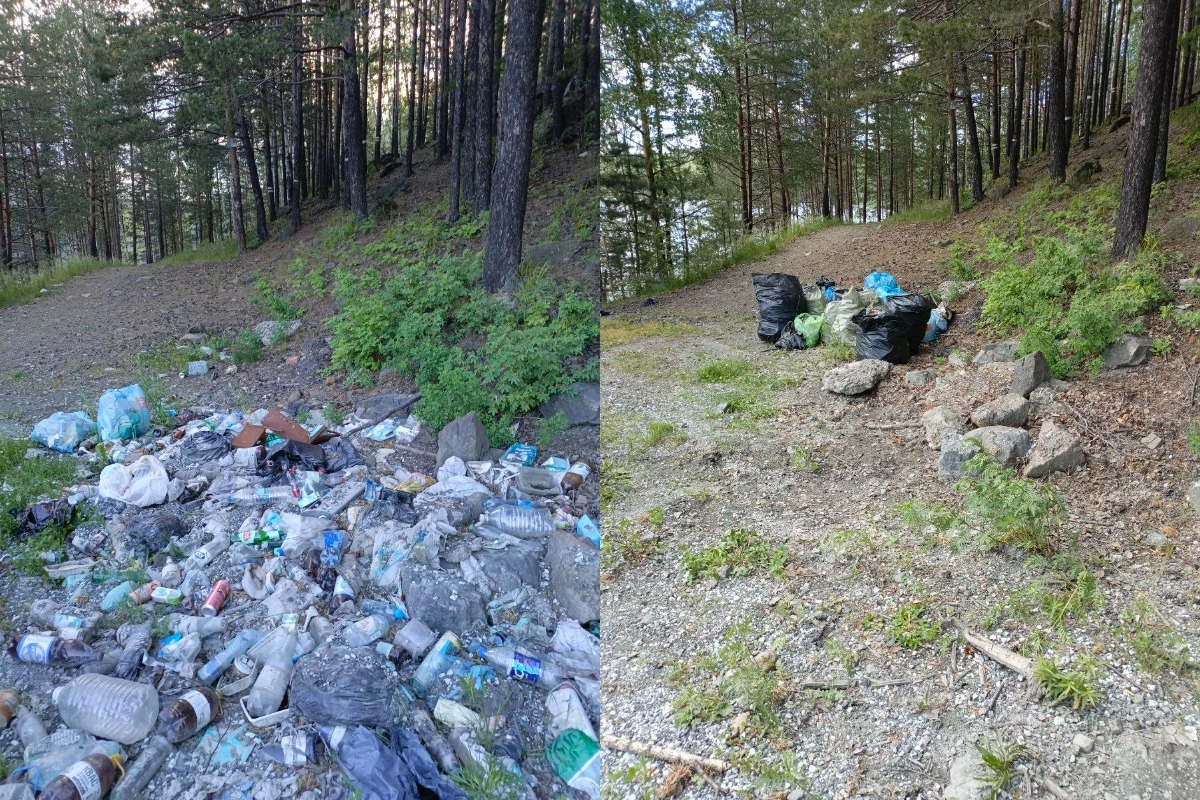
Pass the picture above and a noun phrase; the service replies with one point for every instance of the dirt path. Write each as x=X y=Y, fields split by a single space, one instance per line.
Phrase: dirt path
x=847 y=711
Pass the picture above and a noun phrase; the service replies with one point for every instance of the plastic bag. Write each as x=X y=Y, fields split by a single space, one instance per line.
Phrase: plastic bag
x=63 y=430
x=779 y=301
x=839 y=326
x=202 y=447
x=884 y=284
x=142 y=484
x=344 y=686
x=340 y=455
x=809 y=326
x=577 y=649
x=389 y=505
x=380 y=773
x=791 y=339
x=815 y=300
x=154 y=530
x=914 y=309
x=290 y=453
x=882 y=336
x=939 y=321
x=122 y=413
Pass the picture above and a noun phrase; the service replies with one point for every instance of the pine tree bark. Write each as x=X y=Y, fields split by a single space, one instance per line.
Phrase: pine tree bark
x=952 y=122
x=1014 y=132
x=972 y=134
x=1056 y=96
x=260 y=211
x=235 y=178
x=297 y=142
x=410 y=133
x=353 y=140
x=1154 y=58
x=1072 y=57
x=379 y=83
x=485 y=105
x=1164 y=123
x=510 y=179
x=458 y=111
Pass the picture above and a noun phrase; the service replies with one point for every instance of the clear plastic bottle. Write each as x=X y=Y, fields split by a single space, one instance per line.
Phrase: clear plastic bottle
x=262 y=496
x=110 y=708
x=189 y=713
x=137 y=638
x=267 y=694
x=88 y=779
x=295 y=750
x=141 y=772
x=204 y=626
x=420 y=721
x=47 y=614
x=367 y=630
x=211 y=671
x=30 y=729
x=53 y=650
x=524 y=522
x=436 y=662
x=171 y=575
x=385 y=608
x=117 y=596
x=204 y=555
x=524 y=666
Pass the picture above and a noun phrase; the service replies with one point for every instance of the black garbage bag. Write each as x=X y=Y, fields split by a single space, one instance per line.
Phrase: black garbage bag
x=389 y=504
x=344 y=686
x=202 y=447
x=38 y=516
x=780 y=298
x=289 y=454
x=152 y=531
x=883 y=336
x=914 y=308
x=791 y=339
x=340 y=455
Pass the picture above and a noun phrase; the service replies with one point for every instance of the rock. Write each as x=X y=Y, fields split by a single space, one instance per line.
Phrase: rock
x=231 y=369
x=193 y=338
x=1152 y=441
x=574 y=575
x=1180 y=229
x=314 y=357
x=920 y=377
x=1057 y=450
x=1007 y=445
x=938 y=422
x=1031 y=372
x=1189 y=285
x=856 y=377
x=271 y=331
x=957 y=359
x=580 y=404
x=552 y=254
x=1044 y=402
x=964 y=785
x=1128 y=351
x=1193 y=496
x=514 y=566
x=442 y=599
x=956 y=452
x=1009 y=410
x=1084 y=173
x=1082 y=743
x=995 y=351
x=378 y=406
x=295 y=397
x=1157 y=539
x=465 y=437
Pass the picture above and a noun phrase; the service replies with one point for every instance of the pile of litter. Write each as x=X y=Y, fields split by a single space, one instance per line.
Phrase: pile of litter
x=881 y=320
x=255 y=607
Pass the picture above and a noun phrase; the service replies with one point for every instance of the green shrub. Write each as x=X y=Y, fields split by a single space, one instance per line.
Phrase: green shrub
x=247 y=347
x=1008 y=509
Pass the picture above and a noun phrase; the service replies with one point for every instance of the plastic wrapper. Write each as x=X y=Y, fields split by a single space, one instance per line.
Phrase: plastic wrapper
x=344 y=686
x=63 y=431
x=576 y=649
x=143 y=484
x=397 y=773
x=152 y=531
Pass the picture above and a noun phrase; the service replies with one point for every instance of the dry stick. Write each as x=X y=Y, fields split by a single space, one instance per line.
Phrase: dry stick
x=890 y=426
x=999 y=653
x=1192 y=395
x=402 y=407
x=627 y=745
x=1054 y=789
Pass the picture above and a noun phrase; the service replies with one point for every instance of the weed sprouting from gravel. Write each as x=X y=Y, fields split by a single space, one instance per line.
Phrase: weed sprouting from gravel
x=1156 y=647
x=734 y=681
x=1010 y=510
x=912 y=627
x=725 y=371
x=999 y=763
x=740 y=552
x=663 y=433
x=1062 y=686
x=625 y=544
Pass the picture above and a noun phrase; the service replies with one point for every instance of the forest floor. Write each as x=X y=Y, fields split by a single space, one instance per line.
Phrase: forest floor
x=816 y=653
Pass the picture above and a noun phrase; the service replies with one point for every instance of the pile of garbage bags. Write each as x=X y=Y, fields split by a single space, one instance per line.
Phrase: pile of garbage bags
x=880 y=320
x=251 y=594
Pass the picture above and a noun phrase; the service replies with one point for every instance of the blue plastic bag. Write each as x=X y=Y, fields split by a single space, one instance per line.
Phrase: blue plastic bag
x=937 y=326
x=63 y=431
x=884 y=284
x=122 y=413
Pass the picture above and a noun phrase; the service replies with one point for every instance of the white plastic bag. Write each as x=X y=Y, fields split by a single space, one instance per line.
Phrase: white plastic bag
x=577 y=650
x=142 y=484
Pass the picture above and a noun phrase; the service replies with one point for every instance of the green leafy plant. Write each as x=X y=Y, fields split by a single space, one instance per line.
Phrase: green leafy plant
x=550 y=427
x=664 y=433
x=1010 y=510
x=272 y=300
x=911 y=627
x=732 y=680
x=247 y=347
x=1062 y=686
x=999 y=763
x=1155 y=645
x=740 y=552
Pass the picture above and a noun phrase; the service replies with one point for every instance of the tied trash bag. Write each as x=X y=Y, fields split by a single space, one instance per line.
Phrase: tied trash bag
x=809 y=326
x=814 y=300
x=201 y=448
x=839 y=327
x=153 y=531
x=122 y=413
x=914 y=309
x=142 y=484
x=779 y=301
x=63 y=431
x=344 y=686
x=883 y=283
x=882 y=336
x=399 y=773
x=939 y=321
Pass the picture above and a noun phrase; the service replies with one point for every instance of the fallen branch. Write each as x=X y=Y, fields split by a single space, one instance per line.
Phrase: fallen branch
x=408 y=403
x=890 y=426
x=1054 y=789
x=627 y=745
x=999 y=653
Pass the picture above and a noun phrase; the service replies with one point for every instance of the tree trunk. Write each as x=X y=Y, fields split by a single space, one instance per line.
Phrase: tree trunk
x=1072 y=68
x=1164 y=122
x=952 y=122
x=260 y=211
x=1154 y=58
x=443 y=91
x=269 y=160
x=485 y=105
x=297 y=137
x=510 y=181
x=1014 y=133
x=235 y=177
x=458 y=114
x=972 y=134
x=1056 y=97
x=353 y=141
x=994 y=161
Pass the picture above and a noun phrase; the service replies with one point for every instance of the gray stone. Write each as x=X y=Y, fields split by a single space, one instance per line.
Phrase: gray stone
x=574 y=575
x=442 y=599
x=514 y=566
x=964 y=783
x=465 y=437
x=1057 y=450
x=193 y=338
x=580 y=404
x=1189 y=285
x=1083 y=174
x=1007 y=445
x=1157 y=539
x=919 y=377
x=938 y=422
x=552 y=254
x=957 y=358
x=1031 y=372
x=1082 y=743
x=271 y=330
x=995 y=351
x=1009 y=410
x=856 y=377
x=1043 y=401
x=377 y=407
x=1128 y=351
x=314 y=357
x=1193 y=496
x=956 y=452
x=1180 y=229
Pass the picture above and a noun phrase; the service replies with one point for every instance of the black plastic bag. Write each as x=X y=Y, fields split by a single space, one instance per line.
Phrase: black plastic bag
x=202 y=447
x=289 y=453
x=340 y=455
x=344 y=686
x=791 y=339
x=780 y=298
x=914 y=309
x=153 y=531
x=389 y=504
x=38 y=516
x=881 y=336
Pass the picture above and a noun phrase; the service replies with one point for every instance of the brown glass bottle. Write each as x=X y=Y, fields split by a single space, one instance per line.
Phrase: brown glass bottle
x=89 y=779
x=9 y=700
x=191 y=712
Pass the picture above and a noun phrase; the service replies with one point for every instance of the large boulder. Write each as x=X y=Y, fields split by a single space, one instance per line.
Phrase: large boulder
x=1032 y=371
x=272 y=331
x=995 y=351
x=465 y=437
x=856 y=377
x=574 y=575
x=1009 y=410
x=580 y=404
x=938 y=422
x=1128 y=351
x=512 y=567
x=1007 y=445
x=1056 y=450
x=442 y=599
x=956 y=452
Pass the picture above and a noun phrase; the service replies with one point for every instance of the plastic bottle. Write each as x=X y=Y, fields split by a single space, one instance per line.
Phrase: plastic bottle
x=53 y=650
x=262 y=496
x=295 y=750
x=436 y=662
x=524 y=666
x=393 y=653
x=117 y=596
x=210 y=672
x=10 y=701
x=89 y=779
x=102 y=576
x=420 y=721
x=52 y=756
x=205 y=554
x=267 y=694
x=178 y=648
x=189 y=713
x=367 y=630
x=137 y=638
x=384 y=608
x=29 y=728
x=524 y=522
x=47 y=614
x=171 y=575
x=577 y=475
x=415 y=637
x=109 y=708
x=141 y=772
x=204 y=626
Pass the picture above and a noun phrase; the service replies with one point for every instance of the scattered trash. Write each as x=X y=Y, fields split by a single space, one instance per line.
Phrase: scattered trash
x=63 y=431
x=122 y=413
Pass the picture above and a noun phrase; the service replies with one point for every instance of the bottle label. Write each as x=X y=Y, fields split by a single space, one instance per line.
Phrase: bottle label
x=199 y=704
x=86 y=780
x=35 y=649
x=295 y=749
x=526 y=668
x=62 y=620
